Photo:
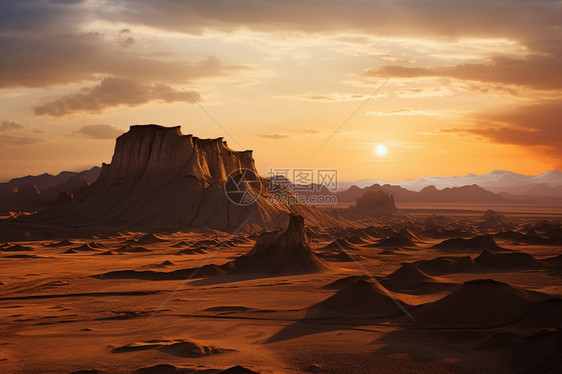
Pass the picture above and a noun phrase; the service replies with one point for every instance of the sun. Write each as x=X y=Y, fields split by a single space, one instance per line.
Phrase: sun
x=380 y=150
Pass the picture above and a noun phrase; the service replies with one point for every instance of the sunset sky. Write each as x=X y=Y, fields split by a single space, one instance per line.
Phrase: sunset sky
x=480 y=89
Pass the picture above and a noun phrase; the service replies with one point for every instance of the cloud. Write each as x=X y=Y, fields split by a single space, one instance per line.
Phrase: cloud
x=399 y=17
x=44 y=44
x=124 y=39
x=536 y=71
x=274 y=136
x=102 y=131
x=7 y=128
x=412 y=112
x=425 y=92
x=528 y=125
x=48 y=60
x=332 y=97
x=7 y=125
x=113 y=92
x=290 y=134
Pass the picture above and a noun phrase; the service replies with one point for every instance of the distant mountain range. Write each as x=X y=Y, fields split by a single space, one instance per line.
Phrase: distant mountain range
x=473 y=194
x=40 y=191
x=497 y=187
x=548 y=184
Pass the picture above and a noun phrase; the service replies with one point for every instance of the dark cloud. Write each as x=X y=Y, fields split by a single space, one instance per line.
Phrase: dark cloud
x=113 y=92
x=400 y=17
x=7 y=125
x=537 y=71
x=42 y=43
x=538 y=124
x=99 y=131
x=32 y=16
x=7 y=137
x=529 y=125
x=44 y=60
x=124 y=39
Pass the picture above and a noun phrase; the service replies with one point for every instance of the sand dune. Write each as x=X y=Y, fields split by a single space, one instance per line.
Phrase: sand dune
x=17 y=248
x=396 y=240
x=127 y=248
x=511 y=260
x=171 y=369
x=340 y=256
x=476 y=243
x=177 y=347
x=408 y=277
x=447 y=265
x=480 y=304
x=539 y=353
x=359 y=297
x=86 y=247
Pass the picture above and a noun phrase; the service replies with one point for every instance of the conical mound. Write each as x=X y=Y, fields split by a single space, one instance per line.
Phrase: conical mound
x=150 y=239
x=285 y=251
x=409 y=275
x=339 y=244
x=479 y=304
x=510 y=260
x=86 y=247
x=477 y=243
x=408 y=234
x=359 y=297
x=63 y=243
x=17 y=248
x=396 y=240
x=447 y=265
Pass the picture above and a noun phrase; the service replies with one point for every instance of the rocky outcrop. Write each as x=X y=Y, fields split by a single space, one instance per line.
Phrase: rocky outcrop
x=159 y=178
x=376 y=203
x=480 y=303
x=359 y=297
x=283 y=252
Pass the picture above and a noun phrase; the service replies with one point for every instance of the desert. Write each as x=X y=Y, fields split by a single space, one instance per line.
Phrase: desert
x=280 y=187
x=94 y=285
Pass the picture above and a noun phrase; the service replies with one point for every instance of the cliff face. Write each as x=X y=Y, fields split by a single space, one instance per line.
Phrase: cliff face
x=376 y=203
x=159 y=178
x=155 y=153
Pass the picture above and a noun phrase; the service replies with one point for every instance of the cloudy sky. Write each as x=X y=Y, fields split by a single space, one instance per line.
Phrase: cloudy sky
x=474 y=86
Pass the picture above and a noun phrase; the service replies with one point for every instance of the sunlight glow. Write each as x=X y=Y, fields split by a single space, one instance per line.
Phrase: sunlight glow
x=380 y=150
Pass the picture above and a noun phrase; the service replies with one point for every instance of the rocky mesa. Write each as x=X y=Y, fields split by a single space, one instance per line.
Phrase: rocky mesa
x=159 y=179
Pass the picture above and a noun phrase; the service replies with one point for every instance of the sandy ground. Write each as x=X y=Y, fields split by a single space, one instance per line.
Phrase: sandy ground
x=57 y=318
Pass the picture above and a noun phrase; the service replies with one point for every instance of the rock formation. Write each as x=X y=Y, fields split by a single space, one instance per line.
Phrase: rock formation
x=509 y=260
x=282 y=252
x=477 y=243
x=376 y=203
x=479 y=304
x=159 y=178
x=359 y=297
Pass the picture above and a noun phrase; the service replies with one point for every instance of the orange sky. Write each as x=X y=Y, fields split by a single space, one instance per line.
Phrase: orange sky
x=481 y=91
